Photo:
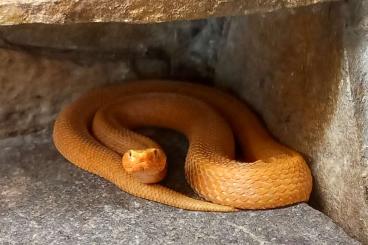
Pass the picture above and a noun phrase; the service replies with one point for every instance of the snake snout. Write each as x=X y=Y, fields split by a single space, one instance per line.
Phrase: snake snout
x=147 y=166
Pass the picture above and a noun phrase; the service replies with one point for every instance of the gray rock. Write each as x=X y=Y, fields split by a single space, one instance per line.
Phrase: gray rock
x=44 y=199
x=46 y=66
x=305 y=72
x=35 y=87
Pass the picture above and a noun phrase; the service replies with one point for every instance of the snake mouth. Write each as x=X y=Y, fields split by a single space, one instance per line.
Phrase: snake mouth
x=148 y=165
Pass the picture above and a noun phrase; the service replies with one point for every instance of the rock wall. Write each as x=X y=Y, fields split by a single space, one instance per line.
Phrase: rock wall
x=304 y=71
x=43 y=67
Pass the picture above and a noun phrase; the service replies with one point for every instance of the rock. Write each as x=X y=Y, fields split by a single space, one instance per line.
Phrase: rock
x=310 y=89
x=51 y=65
x=120 y=38
x=138 y=11
x=44 y=199
x=34 y=88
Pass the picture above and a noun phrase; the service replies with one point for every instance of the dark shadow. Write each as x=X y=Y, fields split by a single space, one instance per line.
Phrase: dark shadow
x=175 y=146
x=187 y=49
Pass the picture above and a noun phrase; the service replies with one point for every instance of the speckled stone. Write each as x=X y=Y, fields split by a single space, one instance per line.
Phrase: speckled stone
x=46 y=200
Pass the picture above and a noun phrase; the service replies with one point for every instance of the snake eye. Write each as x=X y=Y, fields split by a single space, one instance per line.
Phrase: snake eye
x=130 y=154
x=155 y=152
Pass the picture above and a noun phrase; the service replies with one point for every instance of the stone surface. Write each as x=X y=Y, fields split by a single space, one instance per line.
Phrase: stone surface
x=305 y=72
x=117 y=38
x=36 y=82
x=44 y=199
x=34 y=88
x=138 y=11
x=356 y=48
x=188 y=48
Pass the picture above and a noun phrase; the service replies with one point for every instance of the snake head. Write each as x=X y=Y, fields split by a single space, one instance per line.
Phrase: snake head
x=147 y=166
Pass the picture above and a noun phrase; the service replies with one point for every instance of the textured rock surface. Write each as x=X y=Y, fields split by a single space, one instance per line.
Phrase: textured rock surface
x=119 y=39
x=35 y=84
x=34 y=88
x=141 y=11
x=44 y=199
x=309 y=85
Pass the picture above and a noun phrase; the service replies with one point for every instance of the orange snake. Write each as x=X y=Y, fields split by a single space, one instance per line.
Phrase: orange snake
x=93 y=133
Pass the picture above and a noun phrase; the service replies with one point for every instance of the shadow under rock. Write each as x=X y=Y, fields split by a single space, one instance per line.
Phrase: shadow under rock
x=175 y=146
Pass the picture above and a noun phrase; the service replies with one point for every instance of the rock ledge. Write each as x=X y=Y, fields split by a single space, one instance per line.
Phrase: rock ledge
x=138 y=11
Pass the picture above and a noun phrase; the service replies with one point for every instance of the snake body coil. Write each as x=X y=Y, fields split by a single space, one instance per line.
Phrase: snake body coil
x=271 y=175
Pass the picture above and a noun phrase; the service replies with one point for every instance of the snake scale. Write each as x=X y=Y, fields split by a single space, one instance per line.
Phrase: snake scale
x=96 y=131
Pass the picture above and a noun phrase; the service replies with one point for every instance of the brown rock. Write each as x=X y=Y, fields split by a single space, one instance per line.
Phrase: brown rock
x=138 y=11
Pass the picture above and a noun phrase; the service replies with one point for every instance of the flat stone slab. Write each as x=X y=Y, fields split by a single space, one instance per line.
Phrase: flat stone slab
x=137 y=11
x=44 y=199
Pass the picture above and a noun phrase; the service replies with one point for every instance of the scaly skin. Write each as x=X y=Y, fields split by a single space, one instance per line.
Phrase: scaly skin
x=272 y=176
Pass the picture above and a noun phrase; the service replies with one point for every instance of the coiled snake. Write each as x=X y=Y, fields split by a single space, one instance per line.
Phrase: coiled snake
x=94 y=134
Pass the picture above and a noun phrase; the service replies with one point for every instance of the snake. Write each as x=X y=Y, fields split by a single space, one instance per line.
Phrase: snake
x=97 y=133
